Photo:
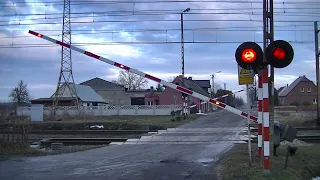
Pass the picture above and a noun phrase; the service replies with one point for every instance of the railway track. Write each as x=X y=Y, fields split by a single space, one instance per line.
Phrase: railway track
x=298 y=128
x=82 y=132
x=307 y=139
x=81 y=141
x=116 y=133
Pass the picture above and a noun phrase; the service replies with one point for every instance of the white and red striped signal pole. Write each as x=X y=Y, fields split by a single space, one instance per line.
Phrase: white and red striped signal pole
x=266 y=133
x=268 y=36
x=158 y=80
x=260 y=98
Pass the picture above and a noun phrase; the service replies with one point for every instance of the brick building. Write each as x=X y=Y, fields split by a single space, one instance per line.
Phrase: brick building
x=301 y=92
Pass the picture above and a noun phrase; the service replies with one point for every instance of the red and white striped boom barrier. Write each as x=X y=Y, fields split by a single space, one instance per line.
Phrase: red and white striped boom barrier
x=160 y=81
x=226 y=95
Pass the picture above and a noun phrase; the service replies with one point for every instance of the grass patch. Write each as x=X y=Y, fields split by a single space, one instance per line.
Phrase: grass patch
x=305 y=164
x=298 y=119
x=113 y=123
x=13 y=149
x=9 y=149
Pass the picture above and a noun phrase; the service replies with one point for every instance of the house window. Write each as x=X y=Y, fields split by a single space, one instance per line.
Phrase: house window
x=314 y=100
x=308 y=90
x=302 y=90
x=150 y=103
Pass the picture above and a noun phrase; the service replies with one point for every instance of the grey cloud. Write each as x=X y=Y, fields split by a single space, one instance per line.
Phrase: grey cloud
x=43 y=63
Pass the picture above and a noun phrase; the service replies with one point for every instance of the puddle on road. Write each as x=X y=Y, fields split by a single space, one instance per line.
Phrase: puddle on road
x=205 y=161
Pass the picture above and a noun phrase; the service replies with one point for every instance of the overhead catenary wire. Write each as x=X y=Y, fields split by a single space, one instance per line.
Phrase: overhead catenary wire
x=139 y=43
x=57 y=3
x=165 y=12
x=166 y=31
x=155 y=20
x=216 y=28
x=99 y=15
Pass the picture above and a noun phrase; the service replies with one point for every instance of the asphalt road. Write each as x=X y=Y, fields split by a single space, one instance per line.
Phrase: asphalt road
x=152 y=161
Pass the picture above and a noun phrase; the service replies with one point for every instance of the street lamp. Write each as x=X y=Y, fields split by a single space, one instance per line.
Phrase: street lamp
x=182 y=57
x=212 y=76
x=182 y=41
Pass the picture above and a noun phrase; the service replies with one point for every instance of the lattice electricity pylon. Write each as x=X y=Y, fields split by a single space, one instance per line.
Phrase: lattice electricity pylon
x=66 y=81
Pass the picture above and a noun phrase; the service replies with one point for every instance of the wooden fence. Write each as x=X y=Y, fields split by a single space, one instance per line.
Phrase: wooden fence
x=14 y=132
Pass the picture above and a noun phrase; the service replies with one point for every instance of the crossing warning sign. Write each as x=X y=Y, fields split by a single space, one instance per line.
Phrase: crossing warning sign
x=245 y=76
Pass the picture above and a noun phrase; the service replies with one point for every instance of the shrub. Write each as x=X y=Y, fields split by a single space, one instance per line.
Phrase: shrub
x=295 y=104
x=306 y=103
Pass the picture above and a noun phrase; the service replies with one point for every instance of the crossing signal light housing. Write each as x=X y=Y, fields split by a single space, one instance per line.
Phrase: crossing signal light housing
x=249 y=55
x=279 y=54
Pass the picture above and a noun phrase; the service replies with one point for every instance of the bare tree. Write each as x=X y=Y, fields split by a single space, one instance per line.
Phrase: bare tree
x=159 y=88
x=131 y=81
x=114 y=81
x=20 y=94
x=170 y=79
x=216 y=86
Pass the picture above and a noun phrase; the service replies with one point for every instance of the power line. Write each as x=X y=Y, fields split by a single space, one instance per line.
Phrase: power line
x=56 y=3
x=118 y=1
x=163 y=12
x=154 y=20
x=141 y=42
x=163 y=30
x=130 y=30
x=100 y=15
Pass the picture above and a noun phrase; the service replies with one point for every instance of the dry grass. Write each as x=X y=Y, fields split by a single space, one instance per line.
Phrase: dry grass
x=12 y=149
x=299 y=119
x=305 y=164
x=9 y=149
x=111 y=122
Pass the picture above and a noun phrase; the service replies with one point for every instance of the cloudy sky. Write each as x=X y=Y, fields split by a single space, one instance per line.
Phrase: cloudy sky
x=138 y=26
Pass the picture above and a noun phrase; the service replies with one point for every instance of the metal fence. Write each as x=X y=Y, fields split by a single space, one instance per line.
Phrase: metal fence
x=108 y=110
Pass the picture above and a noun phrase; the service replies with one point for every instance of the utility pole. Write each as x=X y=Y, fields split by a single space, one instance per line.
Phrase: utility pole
x=66 y=81
x=212 y=88
x=316 y=48
x=185 y=98
x=212 y=79
x=268 y=37
x=248 y=123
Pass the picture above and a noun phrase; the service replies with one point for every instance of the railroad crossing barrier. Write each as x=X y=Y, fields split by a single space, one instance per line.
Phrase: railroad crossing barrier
x=158 y=80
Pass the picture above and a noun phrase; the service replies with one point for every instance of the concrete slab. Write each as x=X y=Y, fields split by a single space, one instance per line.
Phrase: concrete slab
x=116 y=143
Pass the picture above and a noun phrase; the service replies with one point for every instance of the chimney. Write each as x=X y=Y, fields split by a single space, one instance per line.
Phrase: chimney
x=151 y=88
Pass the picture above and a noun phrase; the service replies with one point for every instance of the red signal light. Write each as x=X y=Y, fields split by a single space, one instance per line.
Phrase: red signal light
x=279 y=53
x=248 y=55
